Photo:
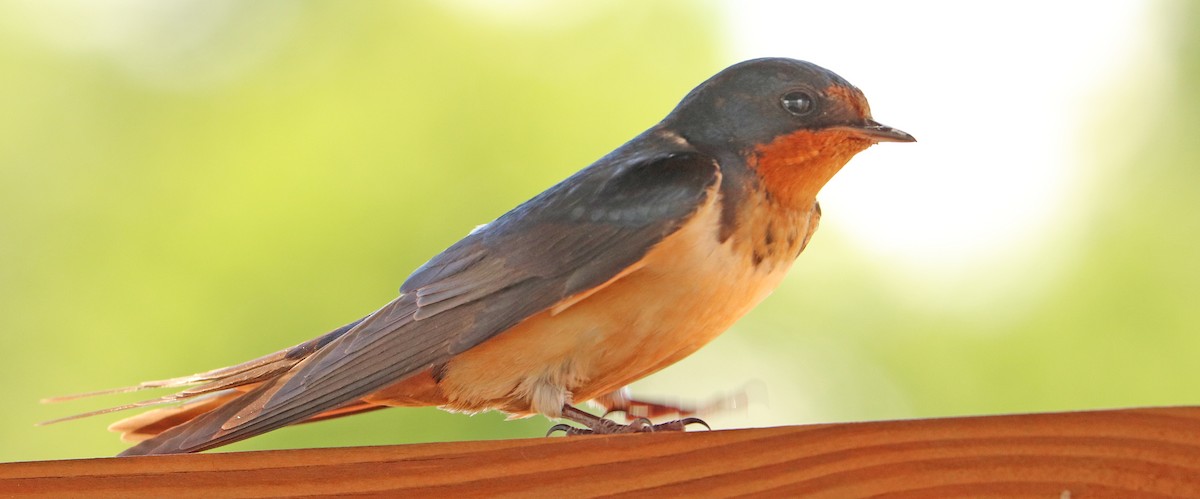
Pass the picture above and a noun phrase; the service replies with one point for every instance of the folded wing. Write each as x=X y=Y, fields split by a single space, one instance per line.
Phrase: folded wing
x=572 y=237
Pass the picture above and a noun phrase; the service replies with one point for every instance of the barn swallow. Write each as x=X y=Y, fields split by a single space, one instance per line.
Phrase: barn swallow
x=622 y=269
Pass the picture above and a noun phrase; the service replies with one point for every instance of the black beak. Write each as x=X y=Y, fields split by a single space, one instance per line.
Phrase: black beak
x=880 y=133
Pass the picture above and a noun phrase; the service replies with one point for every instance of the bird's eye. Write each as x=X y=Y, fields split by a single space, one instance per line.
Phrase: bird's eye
x=797 y=103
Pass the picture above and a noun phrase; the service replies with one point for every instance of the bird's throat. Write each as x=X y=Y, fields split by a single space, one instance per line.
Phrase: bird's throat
x=794 y=167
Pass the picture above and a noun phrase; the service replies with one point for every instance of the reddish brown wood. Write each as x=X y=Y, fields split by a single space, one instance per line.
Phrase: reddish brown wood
x=1121 y=453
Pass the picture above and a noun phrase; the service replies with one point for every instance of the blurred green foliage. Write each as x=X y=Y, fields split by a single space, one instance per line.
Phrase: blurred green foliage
x=240 y=177
x=160 y=218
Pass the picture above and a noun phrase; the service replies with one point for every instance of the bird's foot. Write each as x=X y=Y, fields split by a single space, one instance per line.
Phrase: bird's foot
x=601 y=426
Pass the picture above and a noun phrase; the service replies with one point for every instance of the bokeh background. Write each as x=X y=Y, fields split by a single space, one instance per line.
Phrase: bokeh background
x=189 y=184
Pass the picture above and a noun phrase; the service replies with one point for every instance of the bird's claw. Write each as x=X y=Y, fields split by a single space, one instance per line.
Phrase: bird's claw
x=681 y=424
x=567 y=430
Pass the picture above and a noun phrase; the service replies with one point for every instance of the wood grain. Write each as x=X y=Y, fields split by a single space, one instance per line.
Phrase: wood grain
x=1127 y=453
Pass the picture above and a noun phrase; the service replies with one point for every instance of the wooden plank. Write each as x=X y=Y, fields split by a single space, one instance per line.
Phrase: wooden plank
x=1152 y=452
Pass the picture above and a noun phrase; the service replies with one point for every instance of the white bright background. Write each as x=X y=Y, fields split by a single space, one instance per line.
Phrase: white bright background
x=998 y=96
x=996 y=93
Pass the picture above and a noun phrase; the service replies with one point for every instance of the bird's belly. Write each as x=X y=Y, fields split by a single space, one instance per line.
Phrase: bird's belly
x=685 y=292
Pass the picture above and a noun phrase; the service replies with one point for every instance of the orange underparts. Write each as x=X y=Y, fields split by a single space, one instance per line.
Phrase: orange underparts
x=794 y=167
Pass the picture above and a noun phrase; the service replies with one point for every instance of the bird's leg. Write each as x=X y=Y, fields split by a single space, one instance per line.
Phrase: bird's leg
x=596 y=425
x=593 y=424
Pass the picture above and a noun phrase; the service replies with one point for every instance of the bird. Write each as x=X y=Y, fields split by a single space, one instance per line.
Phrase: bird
x=618 y=271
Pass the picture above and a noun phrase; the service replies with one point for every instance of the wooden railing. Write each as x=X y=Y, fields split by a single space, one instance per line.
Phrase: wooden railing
x=1127 y=453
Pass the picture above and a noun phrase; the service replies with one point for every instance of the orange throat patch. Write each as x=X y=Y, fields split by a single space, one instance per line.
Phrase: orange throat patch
x=794 y=167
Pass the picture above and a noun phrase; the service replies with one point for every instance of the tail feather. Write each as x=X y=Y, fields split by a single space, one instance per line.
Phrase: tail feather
x=356 y=407
x=151 y=423
x=148 y=424
x=216 y=381
x=215 y=388
x=107 y=410
x=162 y=383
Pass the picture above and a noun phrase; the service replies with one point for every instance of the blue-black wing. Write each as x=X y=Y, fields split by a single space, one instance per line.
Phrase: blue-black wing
x=569 y=239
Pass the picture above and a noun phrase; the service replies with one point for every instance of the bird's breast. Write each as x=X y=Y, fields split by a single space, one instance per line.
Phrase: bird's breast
x=686 y=290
